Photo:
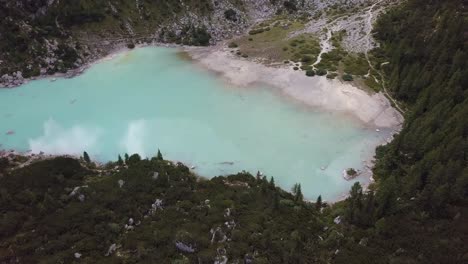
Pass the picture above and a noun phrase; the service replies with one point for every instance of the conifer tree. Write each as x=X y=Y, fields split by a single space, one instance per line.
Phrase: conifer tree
x=272 y=183
x=86 y=157
x=159 y=156
x=318 y=203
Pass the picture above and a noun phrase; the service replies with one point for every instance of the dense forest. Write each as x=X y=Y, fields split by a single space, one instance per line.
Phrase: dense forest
x=65 y=210
x=422 y=175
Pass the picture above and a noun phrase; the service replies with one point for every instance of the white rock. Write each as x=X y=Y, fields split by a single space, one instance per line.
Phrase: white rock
x=77 y=255
x=111 y=249
x=121 y=183
x=337 y=220
x=155 y=175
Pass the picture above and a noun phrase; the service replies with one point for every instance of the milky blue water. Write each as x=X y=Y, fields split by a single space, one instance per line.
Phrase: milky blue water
x=150 y=98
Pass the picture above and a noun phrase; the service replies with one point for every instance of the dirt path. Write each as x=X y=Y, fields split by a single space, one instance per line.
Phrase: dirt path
x=326 y=47
x=369 y=47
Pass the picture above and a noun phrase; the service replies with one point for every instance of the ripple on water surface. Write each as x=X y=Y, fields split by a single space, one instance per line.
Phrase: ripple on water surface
x=150 y=98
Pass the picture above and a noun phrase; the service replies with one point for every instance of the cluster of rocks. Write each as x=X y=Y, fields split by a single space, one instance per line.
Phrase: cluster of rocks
x=12 y=80
x=76 y=190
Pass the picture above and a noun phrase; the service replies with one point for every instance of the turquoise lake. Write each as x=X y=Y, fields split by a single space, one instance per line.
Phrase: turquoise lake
x=150 y=98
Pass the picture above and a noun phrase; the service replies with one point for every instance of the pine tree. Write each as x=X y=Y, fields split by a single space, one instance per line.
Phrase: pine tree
x=272 y=183
x=159 y=156
x=86 y=157
x=299 y=195
x=126 y=158
x=297 y=191
x=264 y=184
x=318 y=203
x=120 y=161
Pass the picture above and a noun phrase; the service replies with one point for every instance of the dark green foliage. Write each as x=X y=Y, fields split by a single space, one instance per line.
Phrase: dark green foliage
x=321 y=72
x=130 y=45
x=159 y=156
x=272 y=183
x=318 y=203
x=421 y=200
x=133 y=159
x=297 y=191
x=120 y=161
x=351 y=171
x=310 y=73
x=306 y=59
x=348 y=77
x=4 y=163
x=428 y=70
x=38 y=197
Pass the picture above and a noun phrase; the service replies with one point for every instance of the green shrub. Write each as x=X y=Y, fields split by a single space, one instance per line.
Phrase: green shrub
x=306 y=59
x=351 y=172
x=348 y=77
x=310 y=73
x=321 y=72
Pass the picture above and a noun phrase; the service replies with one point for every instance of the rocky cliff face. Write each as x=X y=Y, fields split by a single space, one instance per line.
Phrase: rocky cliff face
x=40 y=37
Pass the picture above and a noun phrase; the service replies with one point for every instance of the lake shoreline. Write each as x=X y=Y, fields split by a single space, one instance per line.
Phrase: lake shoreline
x=198 y=58
x=373 y=110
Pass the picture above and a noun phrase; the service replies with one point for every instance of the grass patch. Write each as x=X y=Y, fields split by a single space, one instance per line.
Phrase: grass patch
x=371 y=83
x=271 y=39
x=304 y=48
x=355 y=64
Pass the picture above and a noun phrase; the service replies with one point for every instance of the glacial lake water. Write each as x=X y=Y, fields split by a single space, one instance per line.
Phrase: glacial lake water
x=150 y=98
